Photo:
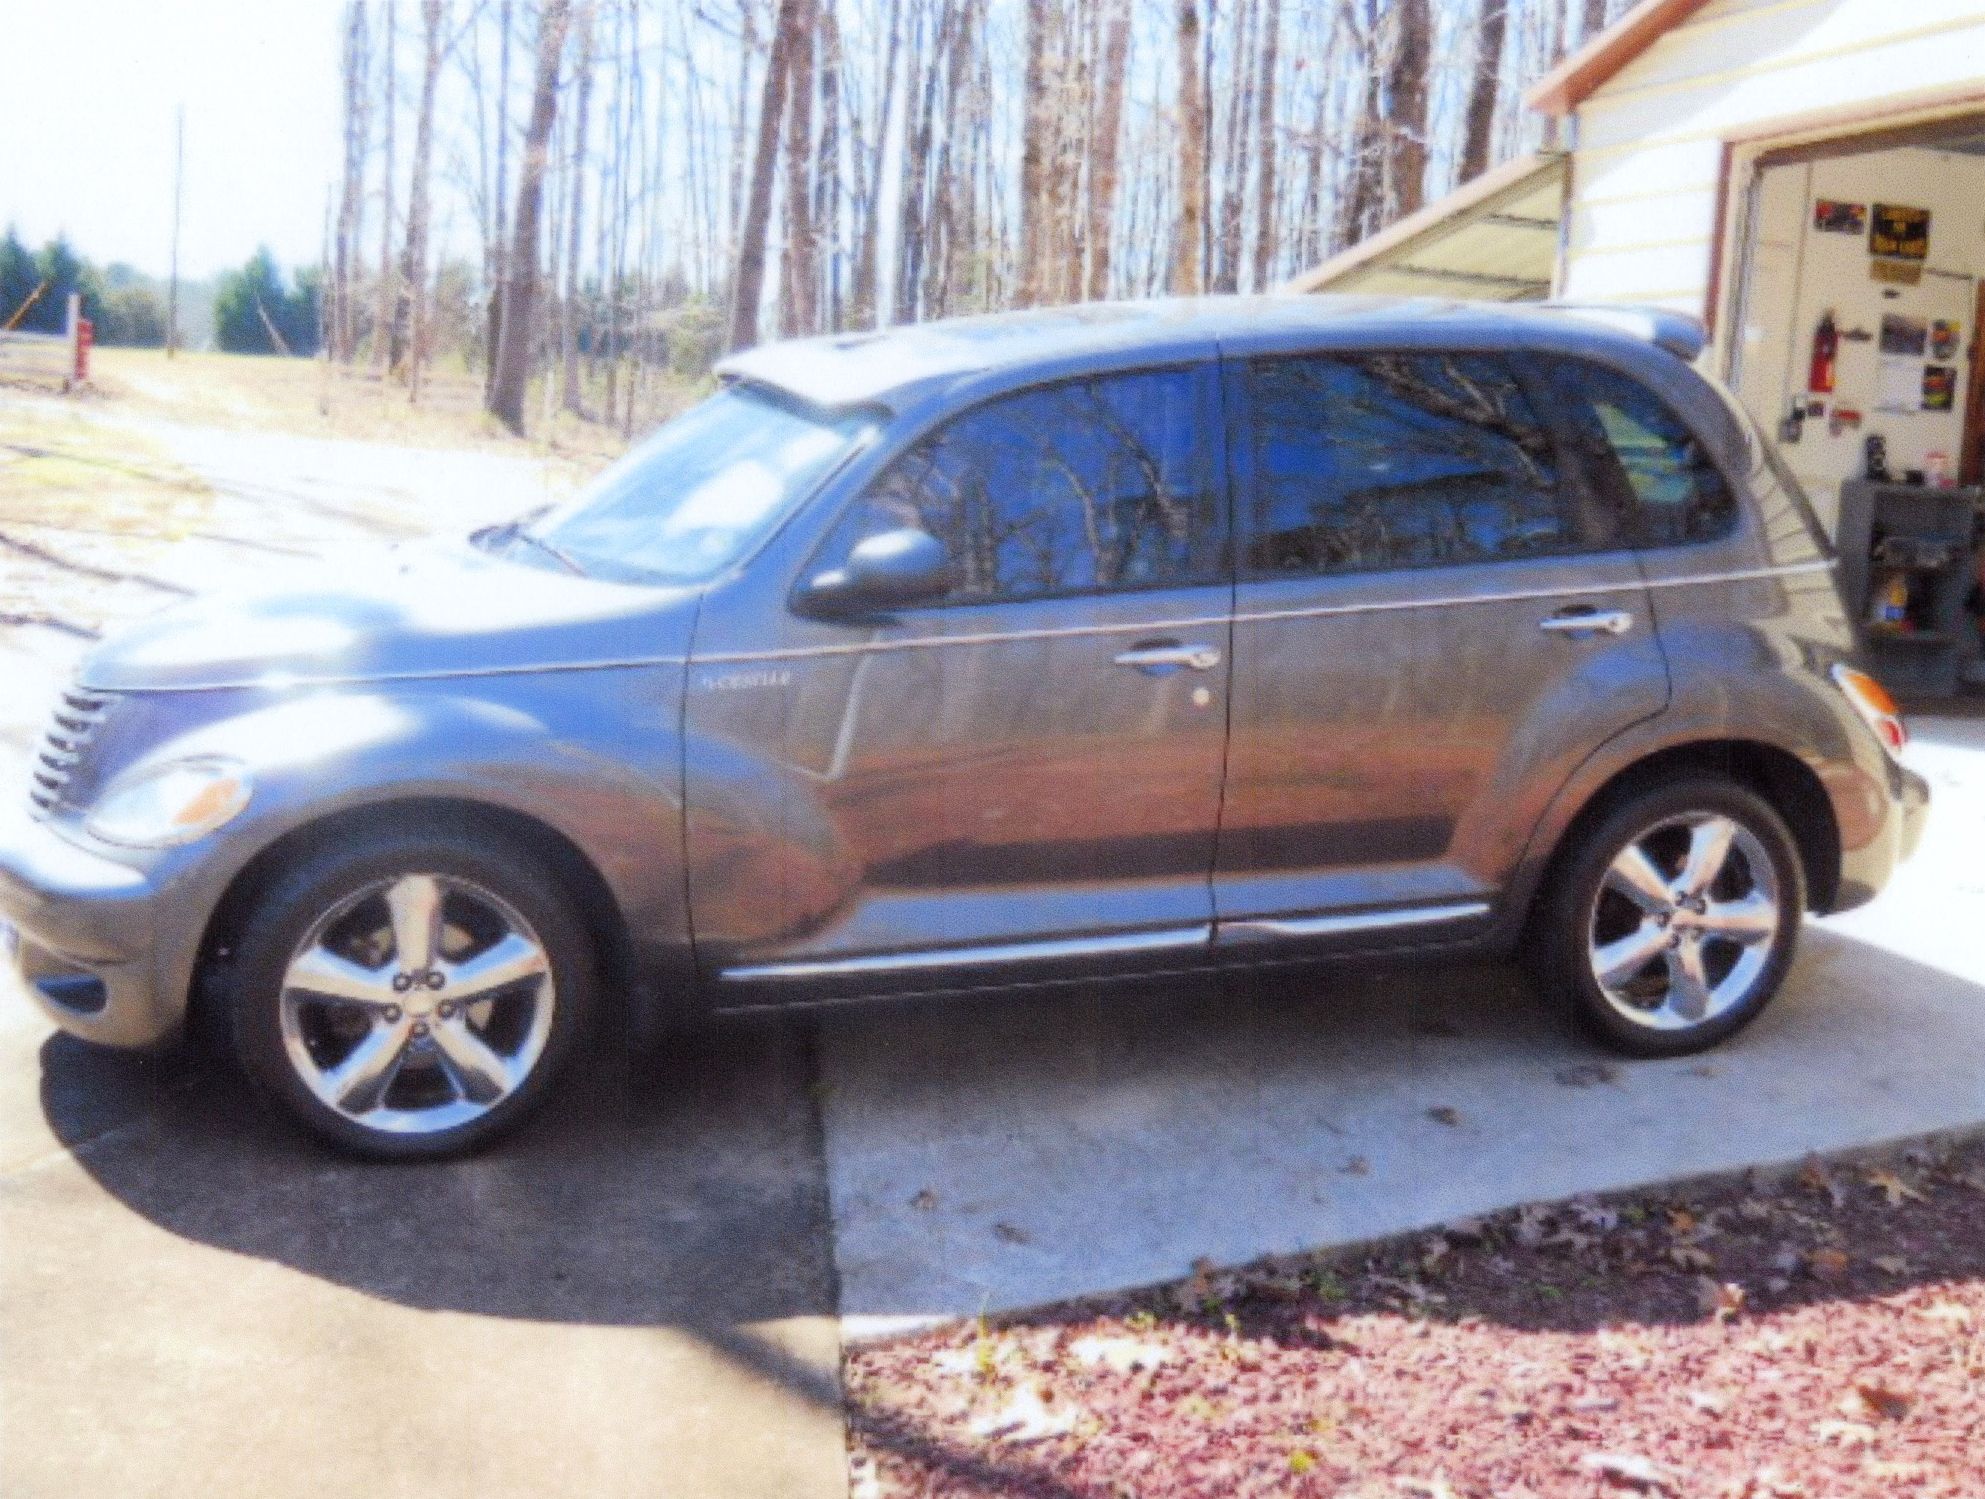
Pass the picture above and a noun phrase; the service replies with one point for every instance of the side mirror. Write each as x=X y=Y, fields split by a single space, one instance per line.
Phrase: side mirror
x=890 y=571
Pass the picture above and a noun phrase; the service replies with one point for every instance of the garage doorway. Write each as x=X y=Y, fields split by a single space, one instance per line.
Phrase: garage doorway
x=1859 y=299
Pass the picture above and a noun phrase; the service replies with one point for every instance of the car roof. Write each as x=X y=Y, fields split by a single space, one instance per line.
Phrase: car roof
x=894 y=367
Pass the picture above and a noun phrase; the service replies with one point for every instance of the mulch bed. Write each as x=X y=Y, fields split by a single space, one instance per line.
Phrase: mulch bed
x=1815 y=1336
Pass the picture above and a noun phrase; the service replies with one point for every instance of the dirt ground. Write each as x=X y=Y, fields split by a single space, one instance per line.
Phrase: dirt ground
x=1816 y=1337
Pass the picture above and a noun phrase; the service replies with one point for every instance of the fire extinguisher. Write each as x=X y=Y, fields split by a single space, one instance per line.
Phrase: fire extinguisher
x=1826 y=350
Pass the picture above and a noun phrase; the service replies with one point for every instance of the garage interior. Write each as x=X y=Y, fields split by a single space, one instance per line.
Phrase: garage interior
x=1858 y=307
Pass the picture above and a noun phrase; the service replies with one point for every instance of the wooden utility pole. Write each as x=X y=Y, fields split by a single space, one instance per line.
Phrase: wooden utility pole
x=178 y=196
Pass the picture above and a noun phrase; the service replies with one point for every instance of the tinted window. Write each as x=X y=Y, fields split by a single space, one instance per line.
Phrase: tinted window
x=1397 y=460
x=1671 y=490
x=1079 y=487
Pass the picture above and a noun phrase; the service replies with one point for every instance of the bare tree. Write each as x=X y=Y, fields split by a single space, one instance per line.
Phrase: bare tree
x=1037 y=118
x=1107 y=141
x=1266 y=146
x=799 y=279
x=1484 y=89
x=575 y=210
x=389 y=86
x=351 y=202
x=1187 y=242
x=1406 y=89
x=519 y=325
x=748 y=280
x=409 y=331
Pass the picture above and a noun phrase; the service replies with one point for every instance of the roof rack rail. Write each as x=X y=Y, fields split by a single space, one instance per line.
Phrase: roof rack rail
x=1680 y=333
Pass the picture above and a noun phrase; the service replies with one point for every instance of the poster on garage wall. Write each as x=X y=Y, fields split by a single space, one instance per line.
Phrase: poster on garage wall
x=1900 y=233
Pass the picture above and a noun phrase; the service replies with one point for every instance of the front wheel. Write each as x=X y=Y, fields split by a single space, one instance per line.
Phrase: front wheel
x=1671 y=922
x=410 y=994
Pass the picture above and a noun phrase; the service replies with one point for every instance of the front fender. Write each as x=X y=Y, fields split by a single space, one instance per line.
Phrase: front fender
x=595 y=756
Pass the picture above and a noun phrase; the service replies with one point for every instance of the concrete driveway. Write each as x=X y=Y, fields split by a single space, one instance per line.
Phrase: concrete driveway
x=640 y=1294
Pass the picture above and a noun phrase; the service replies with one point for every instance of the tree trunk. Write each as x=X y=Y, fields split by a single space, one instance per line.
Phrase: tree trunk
x=499 y=219
x=913 y=217
x=866 y=292
x=799 y=311
x=410 y=308
x=1036 y=121
x=1266 y=146
x=1484 y=89
x=1595 y=20
x=1187 y=244
x=519 y=329
x=1108 y=143
x=1406 y=116
x=351 y=205
x=827 y=170
x=1240 y=118
x=574 y=395
x=748 y=279
x=384 y=319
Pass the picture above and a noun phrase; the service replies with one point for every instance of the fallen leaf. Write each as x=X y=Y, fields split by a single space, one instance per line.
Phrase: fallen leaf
x=1876 y=1400
x=1893 y=1187
x=1948 y=1311
x=1586 y=1074
x=1846 y=1433
x=1356 y=1166
x=1722 y=1301
x=1826 y=1264
x=1709 y=1402
x=1441 y=1114
x=1890 y=1264
x=1814 y=1176
x=1007 y=1233
x=1681 y=1220
x=925 y=1201
x=1628 y=1470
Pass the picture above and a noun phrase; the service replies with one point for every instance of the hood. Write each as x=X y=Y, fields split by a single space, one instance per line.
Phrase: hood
x=431 y=610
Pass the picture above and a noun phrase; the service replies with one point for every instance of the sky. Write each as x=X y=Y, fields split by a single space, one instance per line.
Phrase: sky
x=86 y=127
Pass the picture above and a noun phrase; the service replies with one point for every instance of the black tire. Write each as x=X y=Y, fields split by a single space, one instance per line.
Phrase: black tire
x=1568 y=919
x=323 y=880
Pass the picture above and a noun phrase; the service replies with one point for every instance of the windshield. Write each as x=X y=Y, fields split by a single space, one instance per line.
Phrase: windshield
x=693 y=497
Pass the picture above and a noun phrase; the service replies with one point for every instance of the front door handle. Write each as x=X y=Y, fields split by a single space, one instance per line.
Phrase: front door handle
x=1584 y=620
x=1162 y=657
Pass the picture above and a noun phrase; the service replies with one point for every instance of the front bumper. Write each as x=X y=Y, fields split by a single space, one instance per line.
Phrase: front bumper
x=82 y=931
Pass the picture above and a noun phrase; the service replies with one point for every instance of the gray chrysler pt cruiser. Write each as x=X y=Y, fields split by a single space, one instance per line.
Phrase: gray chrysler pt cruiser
x=1013 y=650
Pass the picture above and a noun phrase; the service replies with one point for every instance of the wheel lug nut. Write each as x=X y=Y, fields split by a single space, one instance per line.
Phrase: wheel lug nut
x=446 y=1009
x=420 y=1027
x=392 y=1013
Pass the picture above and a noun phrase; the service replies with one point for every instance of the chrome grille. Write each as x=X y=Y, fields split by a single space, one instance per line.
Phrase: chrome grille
x=70 y=729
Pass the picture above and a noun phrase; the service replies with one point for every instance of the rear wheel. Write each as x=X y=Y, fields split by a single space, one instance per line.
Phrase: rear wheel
x=1672 y=921
x=410 y=994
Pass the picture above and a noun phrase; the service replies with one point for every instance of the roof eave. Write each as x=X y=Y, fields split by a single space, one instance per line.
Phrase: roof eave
x=1580 y=74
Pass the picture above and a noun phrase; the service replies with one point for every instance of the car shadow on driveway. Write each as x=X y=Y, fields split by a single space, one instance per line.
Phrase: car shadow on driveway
x=682 y=1191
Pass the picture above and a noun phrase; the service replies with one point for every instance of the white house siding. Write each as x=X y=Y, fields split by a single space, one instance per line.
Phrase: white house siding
x=1649 y=142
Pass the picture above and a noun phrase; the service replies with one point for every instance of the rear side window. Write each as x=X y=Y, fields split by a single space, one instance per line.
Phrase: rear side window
x=1086 y=486
x=1377 y=461
x=1669 y=489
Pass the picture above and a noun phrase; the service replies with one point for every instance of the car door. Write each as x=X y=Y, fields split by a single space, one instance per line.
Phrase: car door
x=1020 y=778
x=1434 y=623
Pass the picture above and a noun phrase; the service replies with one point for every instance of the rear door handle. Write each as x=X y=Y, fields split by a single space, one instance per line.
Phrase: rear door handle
x=1162 y=657
x=1584 y=620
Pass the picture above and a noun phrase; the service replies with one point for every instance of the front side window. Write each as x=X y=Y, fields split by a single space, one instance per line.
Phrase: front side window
x=1086 y=486
x=1673 y=491
x=1396 y=460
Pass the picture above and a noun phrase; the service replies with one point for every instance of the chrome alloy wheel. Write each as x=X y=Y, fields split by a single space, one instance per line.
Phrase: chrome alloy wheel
x=417 y=1004
x=1685 y=922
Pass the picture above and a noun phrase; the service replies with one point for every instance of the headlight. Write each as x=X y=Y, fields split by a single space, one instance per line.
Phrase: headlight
x=170 y=804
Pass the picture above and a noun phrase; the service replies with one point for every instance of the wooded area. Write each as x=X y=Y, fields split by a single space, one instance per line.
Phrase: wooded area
x=622 y=188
